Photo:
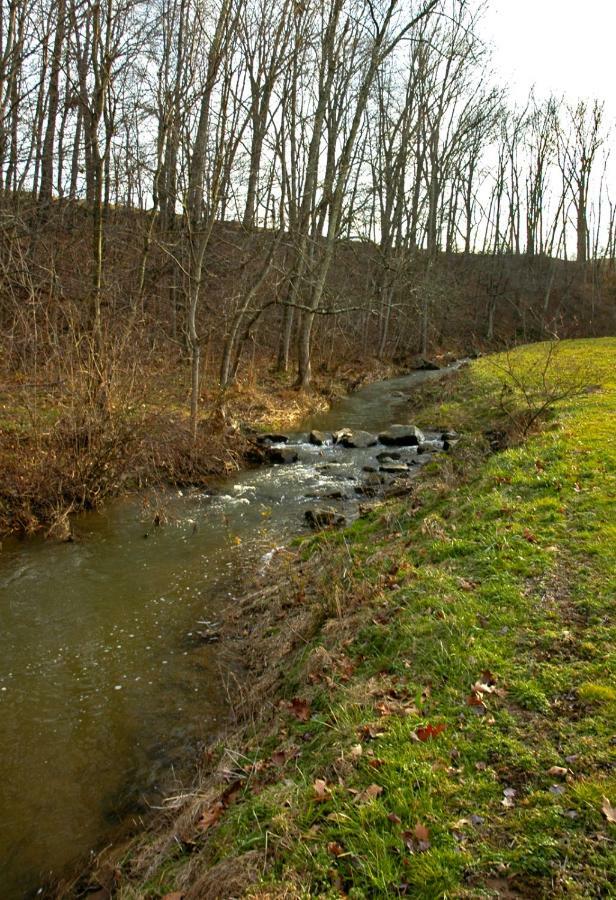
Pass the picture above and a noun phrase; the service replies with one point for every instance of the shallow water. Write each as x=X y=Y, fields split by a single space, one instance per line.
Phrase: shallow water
x=105 y=687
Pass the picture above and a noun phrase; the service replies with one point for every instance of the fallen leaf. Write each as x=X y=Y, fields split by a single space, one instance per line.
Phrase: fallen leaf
x=476 y=820
x=356 y=751
x=529 y=536
x=321 y=791
x=279 y=758
x=417 y=840
x=558 y=770
x=480 y=688
x=300 y=709
x=467 y=585
x=425 y=733
x=394 y=818
x=376 y=763
x=370 y=732
x=557 y=789
x=211 y=816
x=335 y=849
x=474 y=700
x=608 y=810
x=371 y=793
x=421 y=832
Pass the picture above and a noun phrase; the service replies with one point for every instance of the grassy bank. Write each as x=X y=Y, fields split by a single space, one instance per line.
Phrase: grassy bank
x=433 y=704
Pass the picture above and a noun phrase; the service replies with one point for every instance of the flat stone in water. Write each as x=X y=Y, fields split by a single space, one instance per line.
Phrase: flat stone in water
x=358 y=440
x=388 y=456
x=282 y=455
x=394 y=469
x=401 y=436
x=317 y=438
x=429 y=447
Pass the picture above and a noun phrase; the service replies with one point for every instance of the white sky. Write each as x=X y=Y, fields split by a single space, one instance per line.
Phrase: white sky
x=562 y=46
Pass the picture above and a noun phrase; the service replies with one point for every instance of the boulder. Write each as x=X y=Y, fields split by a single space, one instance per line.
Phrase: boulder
x=317 y=438
x=421 y=364
x=272 y=439
x=282 y=455
x=358 y=440
x=371 y=485
x=429 y=446
x=323 y=517
x=341 y=434
x=401 y=436
x=334 y=495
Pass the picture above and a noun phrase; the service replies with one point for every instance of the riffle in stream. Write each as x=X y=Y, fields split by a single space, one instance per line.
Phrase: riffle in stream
x=106 y=688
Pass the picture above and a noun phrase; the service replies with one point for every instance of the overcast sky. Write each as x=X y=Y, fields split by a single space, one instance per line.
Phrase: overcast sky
x=564 y=46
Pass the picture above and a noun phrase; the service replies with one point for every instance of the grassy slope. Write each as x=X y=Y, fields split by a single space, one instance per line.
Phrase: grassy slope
x=505 y=577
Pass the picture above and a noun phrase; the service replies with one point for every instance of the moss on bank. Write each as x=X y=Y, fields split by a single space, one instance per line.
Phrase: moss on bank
x=444 y=725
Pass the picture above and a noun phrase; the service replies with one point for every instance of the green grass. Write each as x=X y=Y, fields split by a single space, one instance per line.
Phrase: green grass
x=504 y=577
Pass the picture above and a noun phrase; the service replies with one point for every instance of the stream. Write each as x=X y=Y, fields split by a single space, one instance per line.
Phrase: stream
x=107 y=692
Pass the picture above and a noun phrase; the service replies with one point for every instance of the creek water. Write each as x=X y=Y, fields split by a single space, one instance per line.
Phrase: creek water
x=106 y=689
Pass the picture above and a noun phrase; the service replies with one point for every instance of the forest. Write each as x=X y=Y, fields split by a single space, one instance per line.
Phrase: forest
x=207 y=192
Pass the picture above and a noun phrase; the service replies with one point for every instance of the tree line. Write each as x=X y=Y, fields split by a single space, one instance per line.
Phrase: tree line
x=209 y=173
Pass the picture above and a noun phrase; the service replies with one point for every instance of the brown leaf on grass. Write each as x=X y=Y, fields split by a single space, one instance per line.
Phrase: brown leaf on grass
x=370 y=793
x=300 y=709
x=421 y=833
x=480 y=688
x=321 y=791
x=476 y=704
x=609 y=811
x=370 y=732
x=467 y=585
x=427 y=732
x=211 y=816
x=335 y=849
x=396 y=708
x=394 y=818
x=376 y=763
x=529 y=536
x=417 y=840
x=474 y=700
x=558 y=770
